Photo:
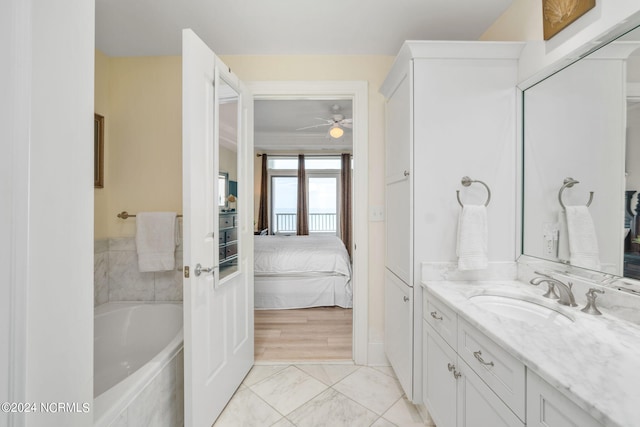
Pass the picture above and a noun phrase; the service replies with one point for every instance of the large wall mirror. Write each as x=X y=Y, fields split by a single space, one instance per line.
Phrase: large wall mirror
x=228 y=126
x=581 y=165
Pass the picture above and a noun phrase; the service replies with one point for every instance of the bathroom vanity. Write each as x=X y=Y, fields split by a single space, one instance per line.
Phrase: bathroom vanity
x=497 y=353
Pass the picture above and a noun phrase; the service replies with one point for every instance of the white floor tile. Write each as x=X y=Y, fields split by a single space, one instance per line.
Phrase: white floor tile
x=403 y=413
x=332 y=409
x=288 y=389
x=381 y=422
x=328 y=374
x=261 y=372
x=283 y=422
x=386 y=370
x=248 y=410
x=371 y=388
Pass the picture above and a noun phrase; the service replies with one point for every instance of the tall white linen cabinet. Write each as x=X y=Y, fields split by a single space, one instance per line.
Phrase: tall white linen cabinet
x=451 y=111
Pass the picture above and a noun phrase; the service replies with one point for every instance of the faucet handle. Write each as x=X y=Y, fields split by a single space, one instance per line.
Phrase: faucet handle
x=591 y=308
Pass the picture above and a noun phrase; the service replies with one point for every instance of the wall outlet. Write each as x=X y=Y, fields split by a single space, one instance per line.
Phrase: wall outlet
x=550 y=239
x=376 y=213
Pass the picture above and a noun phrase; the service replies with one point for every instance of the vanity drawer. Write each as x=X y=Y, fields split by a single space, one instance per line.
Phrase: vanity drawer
x=440 y=317
x=503 y=373
x=227 y=221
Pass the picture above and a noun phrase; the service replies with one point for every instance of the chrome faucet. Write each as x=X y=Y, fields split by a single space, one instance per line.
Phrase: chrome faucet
x=566 y=295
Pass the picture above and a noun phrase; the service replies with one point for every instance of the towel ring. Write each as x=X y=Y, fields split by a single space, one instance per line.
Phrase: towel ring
x=568 y=183
x=466 y=181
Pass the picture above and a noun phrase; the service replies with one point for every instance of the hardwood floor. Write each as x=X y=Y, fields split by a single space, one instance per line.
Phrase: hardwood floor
x=307 y=334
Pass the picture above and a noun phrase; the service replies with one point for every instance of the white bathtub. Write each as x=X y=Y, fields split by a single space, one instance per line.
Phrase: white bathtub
x=134 y=344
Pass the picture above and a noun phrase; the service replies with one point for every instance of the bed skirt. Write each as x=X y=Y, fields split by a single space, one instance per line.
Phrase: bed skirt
x=286 y=292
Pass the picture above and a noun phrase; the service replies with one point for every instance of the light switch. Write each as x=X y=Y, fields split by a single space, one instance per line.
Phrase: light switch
x=376 y=213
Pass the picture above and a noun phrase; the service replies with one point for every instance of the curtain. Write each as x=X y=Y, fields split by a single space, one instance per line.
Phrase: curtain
x=345 y=201
x=263 y=211
x=302 y=216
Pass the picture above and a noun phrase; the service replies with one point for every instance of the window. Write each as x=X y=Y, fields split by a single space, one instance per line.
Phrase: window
x=284 y=202
x=323 y=179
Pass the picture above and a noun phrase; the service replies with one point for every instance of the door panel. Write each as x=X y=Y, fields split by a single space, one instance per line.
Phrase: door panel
x=218 y=314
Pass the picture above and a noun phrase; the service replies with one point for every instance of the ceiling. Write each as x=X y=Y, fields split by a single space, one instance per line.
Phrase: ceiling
x=276 y=124
x=267 y=27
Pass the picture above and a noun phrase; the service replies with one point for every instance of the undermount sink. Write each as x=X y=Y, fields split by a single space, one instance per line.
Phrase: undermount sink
x=521 y=310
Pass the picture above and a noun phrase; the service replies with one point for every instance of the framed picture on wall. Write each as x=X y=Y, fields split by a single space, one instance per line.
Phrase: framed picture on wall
x=558 y=14
x=98 y=151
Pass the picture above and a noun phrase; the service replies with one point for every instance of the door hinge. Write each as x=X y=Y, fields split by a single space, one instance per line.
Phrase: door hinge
x=186 y=271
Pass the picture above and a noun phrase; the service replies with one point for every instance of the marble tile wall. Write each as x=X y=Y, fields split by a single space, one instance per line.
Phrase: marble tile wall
x=117 y=278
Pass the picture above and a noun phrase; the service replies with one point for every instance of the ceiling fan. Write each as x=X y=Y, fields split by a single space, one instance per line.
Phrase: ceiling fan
x=336 y=123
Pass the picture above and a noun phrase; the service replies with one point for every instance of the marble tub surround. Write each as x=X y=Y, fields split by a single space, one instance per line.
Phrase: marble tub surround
x=620 y=304
x=117 y=278
x=339 y=395
x=593 y=361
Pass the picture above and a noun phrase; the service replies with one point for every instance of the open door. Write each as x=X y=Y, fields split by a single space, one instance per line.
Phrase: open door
x=218 y=231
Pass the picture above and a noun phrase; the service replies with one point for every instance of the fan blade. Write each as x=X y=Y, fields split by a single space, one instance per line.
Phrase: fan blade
x=347 y=120
x=315 y=126
x=346 y=125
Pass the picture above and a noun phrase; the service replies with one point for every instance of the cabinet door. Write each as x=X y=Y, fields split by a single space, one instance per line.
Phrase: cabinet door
x=439 y=383
x=398 y=330
x=478 y=405
x=547 y=407
x=397 y=181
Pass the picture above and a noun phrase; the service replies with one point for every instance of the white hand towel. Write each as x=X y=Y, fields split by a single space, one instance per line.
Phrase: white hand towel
x=156 y=240
x=583 y=243
x=473 y=236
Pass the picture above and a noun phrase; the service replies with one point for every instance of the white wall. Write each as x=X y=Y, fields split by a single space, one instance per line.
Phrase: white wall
x=469 y=131
x=50 y=250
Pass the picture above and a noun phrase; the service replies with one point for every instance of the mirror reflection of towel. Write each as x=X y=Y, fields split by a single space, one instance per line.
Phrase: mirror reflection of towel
x=583 y=243
x=473 y=237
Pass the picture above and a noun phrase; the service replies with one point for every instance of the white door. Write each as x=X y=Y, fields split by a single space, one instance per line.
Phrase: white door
x=218 y=314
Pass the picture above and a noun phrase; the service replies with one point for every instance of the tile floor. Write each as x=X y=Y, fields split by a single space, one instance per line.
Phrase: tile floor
x=316 y=395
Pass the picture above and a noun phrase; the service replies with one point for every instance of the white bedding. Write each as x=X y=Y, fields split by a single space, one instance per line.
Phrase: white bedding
x=301 y=271
x=286 y=255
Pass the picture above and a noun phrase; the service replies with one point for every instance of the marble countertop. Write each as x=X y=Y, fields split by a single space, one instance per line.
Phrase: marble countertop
x=595 y=361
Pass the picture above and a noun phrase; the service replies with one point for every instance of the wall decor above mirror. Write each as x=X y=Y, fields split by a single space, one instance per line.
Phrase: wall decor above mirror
x=581 y=149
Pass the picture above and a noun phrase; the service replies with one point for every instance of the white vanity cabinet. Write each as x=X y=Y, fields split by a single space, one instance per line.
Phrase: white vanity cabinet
x=547 y=407
x=450 y=112
x=454 y=393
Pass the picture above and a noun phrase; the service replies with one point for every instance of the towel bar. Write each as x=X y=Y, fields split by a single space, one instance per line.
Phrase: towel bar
x=568 y=183
x=125 y=215
x=466 y=181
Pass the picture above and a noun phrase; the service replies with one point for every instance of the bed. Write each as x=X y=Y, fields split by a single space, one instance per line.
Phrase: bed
x=300 y=272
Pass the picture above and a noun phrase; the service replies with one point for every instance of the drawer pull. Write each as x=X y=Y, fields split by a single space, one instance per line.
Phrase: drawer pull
x=478 y=355
x=434 y=314
x=456 y=374
x=451 y=367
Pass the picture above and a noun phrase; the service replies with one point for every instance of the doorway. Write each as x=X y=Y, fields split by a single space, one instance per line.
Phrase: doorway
x=354 y=320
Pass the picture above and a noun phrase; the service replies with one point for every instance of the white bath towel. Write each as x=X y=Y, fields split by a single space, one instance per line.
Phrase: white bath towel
x=583 y=243
x=473 y=236
x=156 y=240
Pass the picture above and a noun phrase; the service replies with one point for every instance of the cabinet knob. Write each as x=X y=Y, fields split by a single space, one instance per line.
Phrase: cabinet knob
x=456 y=374
x=405 y=298
x=434 y=314
x=406 y=173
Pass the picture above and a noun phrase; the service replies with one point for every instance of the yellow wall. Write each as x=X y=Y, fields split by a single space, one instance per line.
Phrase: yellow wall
x=143 y=170
x=372 y=69
x=521 y=21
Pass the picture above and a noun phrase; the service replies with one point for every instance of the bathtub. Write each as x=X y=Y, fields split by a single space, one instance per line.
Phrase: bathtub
x=137 y=363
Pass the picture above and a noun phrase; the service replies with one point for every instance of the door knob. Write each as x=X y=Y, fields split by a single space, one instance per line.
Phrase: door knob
x=200 y=269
